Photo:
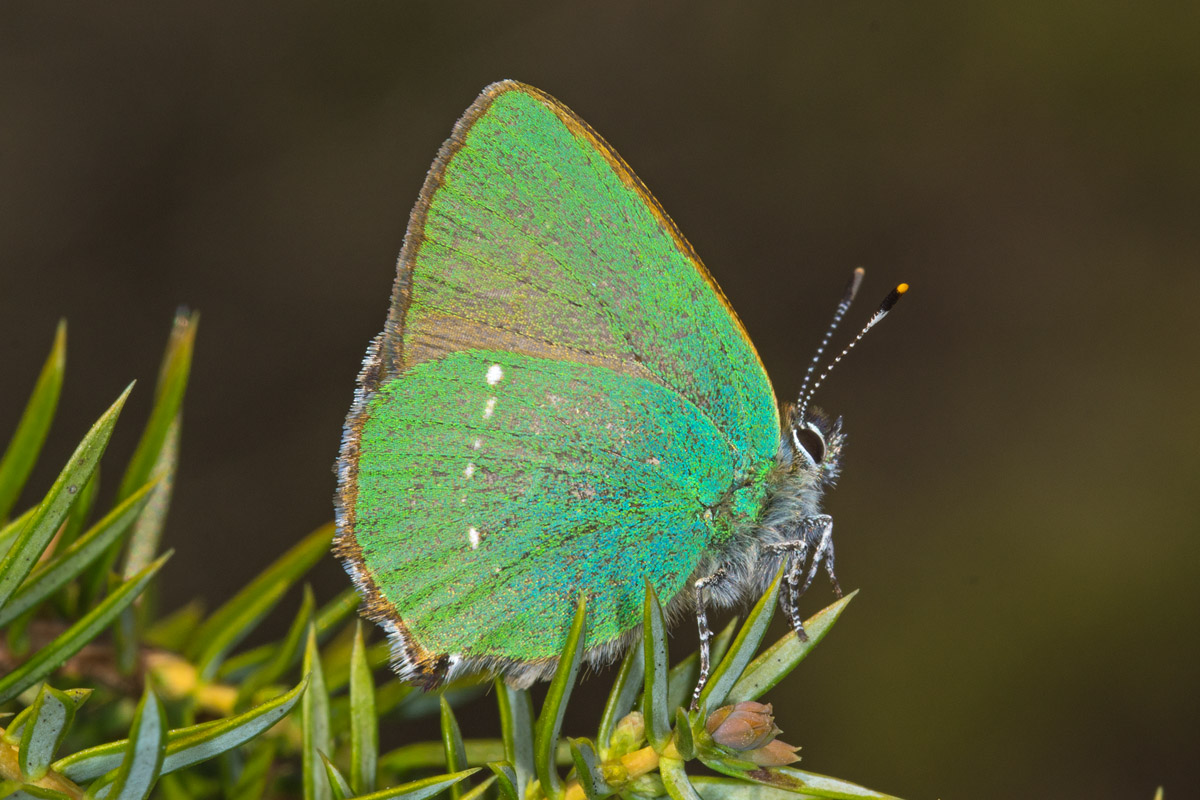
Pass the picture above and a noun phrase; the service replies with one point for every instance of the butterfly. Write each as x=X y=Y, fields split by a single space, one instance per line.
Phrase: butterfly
x=563 y=402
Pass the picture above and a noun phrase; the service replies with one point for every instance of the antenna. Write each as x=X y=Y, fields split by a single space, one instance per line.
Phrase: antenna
x=847 y=298
x=892 y=298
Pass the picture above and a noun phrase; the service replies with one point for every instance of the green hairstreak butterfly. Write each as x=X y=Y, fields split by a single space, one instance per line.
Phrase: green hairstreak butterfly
x=562 y=401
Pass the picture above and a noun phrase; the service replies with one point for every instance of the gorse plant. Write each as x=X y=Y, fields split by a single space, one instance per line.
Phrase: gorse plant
x=110 y=700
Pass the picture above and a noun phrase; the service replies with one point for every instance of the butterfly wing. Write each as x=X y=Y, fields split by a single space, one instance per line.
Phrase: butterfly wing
x=560 y=398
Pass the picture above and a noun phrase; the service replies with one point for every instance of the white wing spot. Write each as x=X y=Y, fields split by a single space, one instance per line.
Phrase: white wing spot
x=473 y=538
x=489 y=408
x=469 y=471
x=494 y=374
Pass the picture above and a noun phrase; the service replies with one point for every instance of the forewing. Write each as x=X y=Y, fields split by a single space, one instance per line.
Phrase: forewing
x=534 y=236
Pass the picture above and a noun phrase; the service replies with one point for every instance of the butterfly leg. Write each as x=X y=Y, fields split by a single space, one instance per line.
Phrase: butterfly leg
x=837 y=587
x=797 y=554
x=706 y=633
x=824 y=552
x=816 y=530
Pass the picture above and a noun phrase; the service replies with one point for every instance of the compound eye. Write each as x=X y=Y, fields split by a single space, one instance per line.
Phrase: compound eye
x=811 y=442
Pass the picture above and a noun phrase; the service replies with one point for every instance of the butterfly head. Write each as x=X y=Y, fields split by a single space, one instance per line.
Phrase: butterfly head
x=814 y=443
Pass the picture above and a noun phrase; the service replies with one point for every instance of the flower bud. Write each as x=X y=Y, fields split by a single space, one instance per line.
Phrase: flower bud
x=745 y=726
x=629 y=734
x=775 y=753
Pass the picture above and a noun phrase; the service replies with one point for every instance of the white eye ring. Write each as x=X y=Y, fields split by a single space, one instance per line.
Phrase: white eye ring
x=813 y=459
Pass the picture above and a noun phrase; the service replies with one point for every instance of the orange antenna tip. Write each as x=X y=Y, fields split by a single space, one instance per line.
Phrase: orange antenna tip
x=809 y=387
x=892 y=298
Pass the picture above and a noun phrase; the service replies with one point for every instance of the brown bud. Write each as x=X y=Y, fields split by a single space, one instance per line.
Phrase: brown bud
x=745 y=726
x=775 y=753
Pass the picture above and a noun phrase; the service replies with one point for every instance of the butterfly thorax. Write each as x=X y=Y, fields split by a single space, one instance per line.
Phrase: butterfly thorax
x=770 y=511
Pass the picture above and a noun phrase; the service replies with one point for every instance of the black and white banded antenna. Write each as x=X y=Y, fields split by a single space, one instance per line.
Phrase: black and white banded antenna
x=892 y=298
x=839 y=312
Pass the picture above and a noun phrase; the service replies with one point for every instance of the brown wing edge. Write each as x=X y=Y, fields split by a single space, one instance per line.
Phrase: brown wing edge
x=384 y=358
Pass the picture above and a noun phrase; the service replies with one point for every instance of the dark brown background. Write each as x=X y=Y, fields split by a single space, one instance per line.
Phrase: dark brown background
x=1019 y=505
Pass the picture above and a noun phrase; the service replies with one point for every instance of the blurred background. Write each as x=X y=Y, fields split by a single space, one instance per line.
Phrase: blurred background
x=1019 y=503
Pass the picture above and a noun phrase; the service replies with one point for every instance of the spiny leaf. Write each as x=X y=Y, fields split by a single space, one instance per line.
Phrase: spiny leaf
x=16 y=725
x=772 y=664
x=144 y=753
x=168 y=398
x=587 y=770
x=364 y=726
x=78 y=517
x=154 y=455
x=26 y=442
x=45 y=728
x=20 y=559
x=230 y=623
x=456 y=753
x=506 y=779
x=549 y=723
x=419 y=790
x=68 y=643
x=186 y=746
x=675 y=779
x=623 y=695
x=335 y=657
x=338 y=784
x=794 y=781
x=314 y=724
x=742 y=649
x=516 y=728
x=53 y=575
x=654 y=694
x=147 y=531
x=156 y=458
x=684 y=742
